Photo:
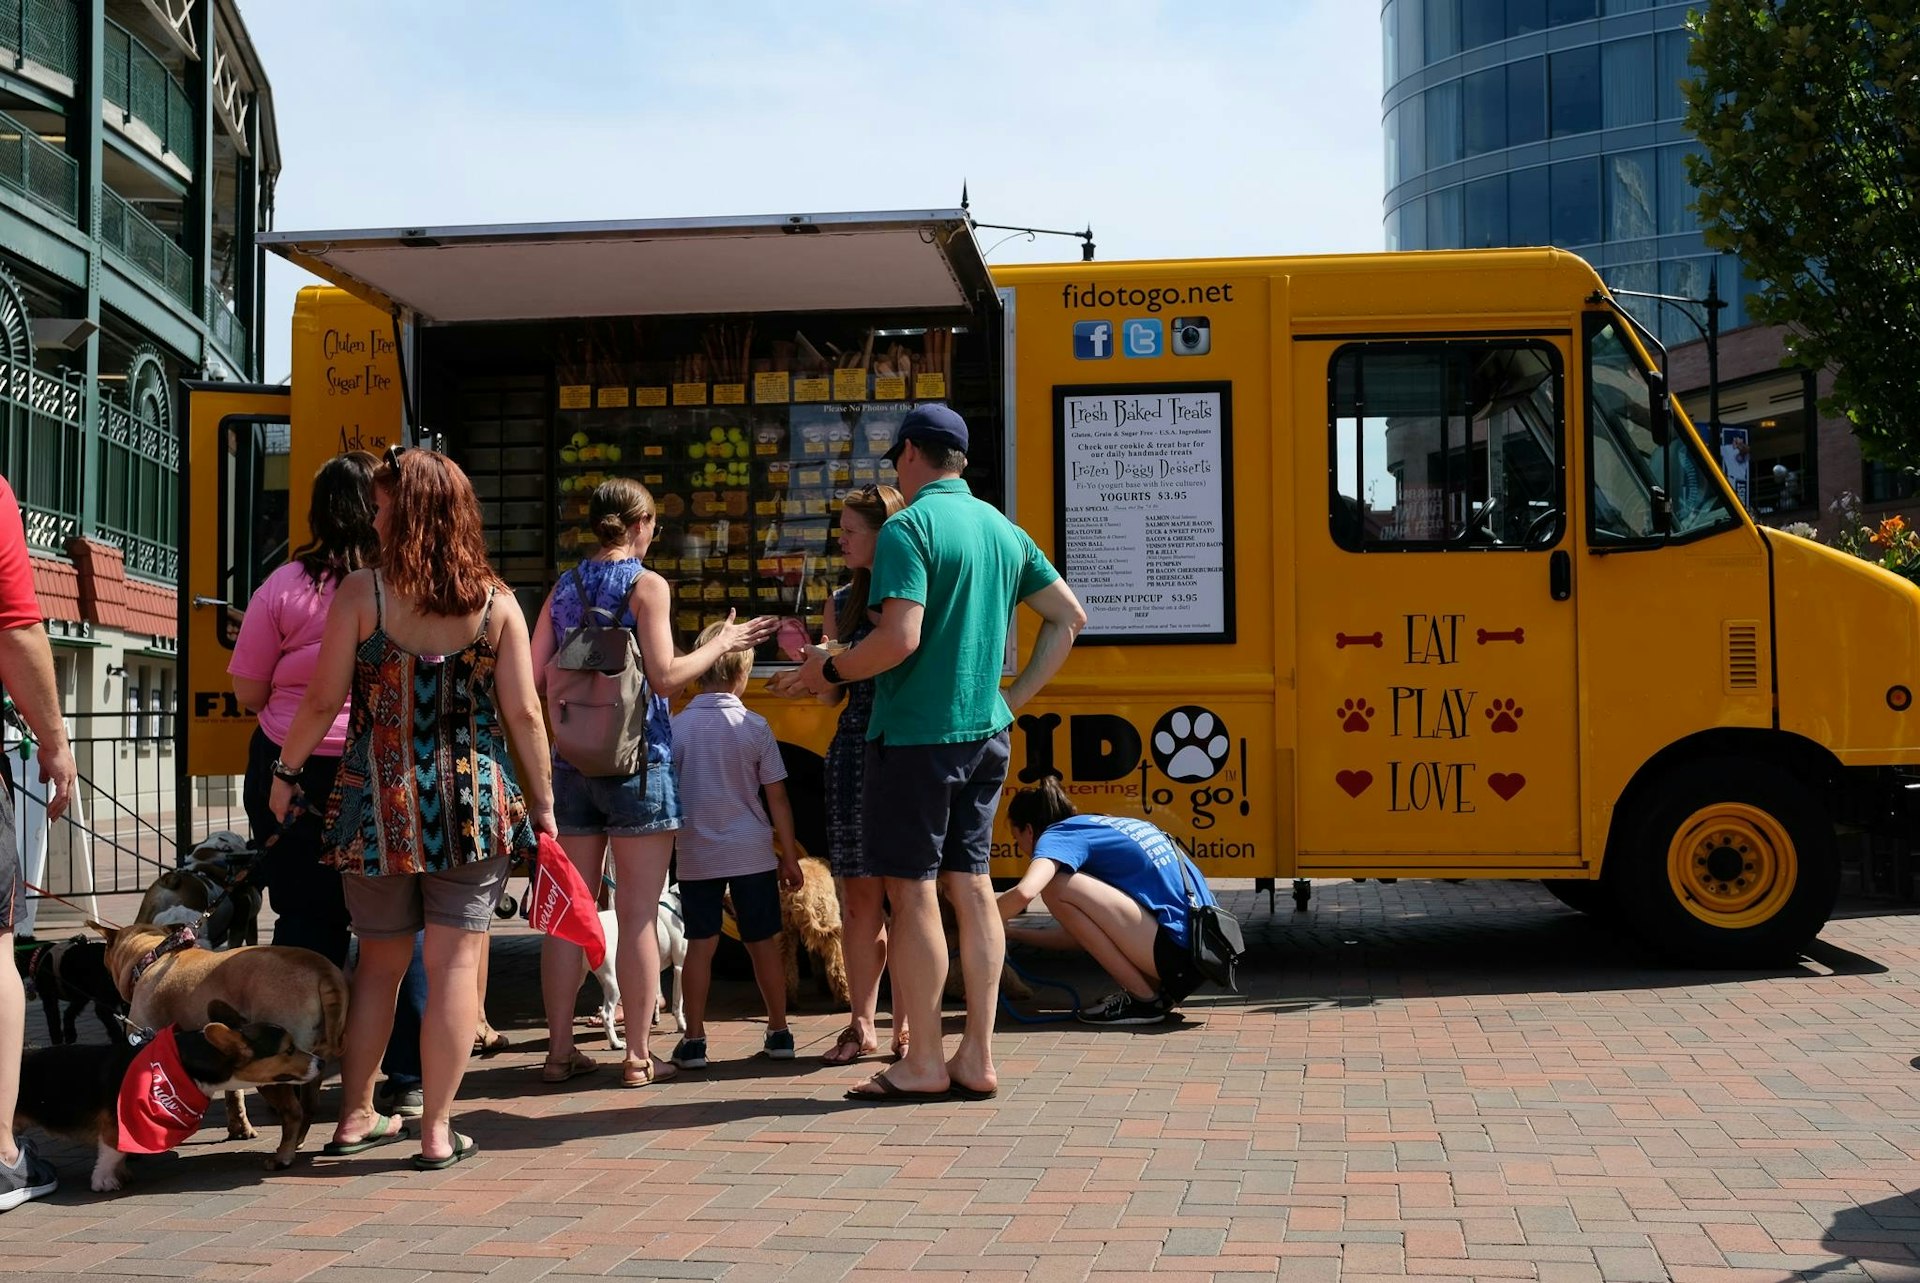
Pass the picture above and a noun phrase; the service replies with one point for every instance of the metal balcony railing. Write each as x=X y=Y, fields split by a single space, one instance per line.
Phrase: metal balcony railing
x=228 y=330
x=43 y=31
x=140 y=84
x=126 y=230
x=36 y=168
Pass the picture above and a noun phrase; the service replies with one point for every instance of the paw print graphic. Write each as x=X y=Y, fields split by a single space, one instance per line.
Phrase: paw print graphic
x=1354 y=715
x=1505 y=716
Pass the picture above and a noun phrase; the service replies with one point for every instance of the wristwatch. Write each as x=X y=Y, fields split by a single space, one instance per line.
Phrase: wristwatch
x=281 y=771
x=829 y=671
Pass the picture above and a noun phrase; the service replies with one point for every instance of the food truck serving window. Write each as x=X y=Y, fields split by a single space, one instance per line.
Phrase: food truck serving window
x=1447 y=446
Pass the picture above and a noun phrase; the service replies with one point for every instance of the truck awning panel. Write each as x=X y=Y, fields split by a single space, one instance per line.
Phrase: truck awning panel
x=900 y=261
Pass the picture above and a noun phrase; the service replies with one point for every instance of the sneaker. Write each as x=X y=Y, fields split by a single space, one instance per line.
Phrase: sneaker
x=404 y=1101
x=1122 y=1008
x=690 y=1054
x=779 y=1044
x=29 y=1177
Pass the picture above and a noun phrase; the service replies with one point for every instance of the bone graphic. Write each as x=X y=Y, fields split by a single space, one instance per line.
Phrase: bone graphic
x=1518 y=636
x=1343 y=640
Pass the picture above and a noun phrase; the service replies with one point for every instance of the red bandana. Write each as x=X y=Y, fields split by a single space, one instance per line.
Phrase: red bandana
x=562 y=906
x=159 y=1105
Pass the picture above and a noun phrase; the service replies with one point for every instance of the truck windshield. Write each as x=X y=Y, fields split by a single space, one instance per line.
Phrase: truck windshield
x=1628 y=465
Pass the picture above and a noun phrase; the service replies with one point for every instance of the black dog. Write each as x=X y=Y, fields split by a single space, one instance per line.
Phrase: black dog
x=74 y=971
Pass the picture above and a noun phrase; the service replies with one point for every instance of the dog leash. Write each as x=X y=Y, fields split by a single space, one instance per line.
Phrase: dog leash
x=295 y=809
x=1006 y=1003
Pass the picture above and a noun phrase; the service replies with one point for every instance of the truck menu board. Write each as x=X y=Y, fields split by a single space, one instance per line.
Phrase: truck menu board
x=1145 y=474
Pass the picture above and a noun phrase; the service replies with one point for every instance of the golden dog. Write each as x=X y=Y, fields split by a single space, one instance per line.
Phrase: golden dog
x=811 y=917
x=296 y=989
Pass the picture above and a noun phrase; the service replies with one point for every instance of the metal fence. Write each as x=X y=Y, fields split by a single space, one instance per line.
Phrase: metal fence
x=43 y=31
x=37 y=169
x=141 y=242
x=121 y=831
x=140 y=84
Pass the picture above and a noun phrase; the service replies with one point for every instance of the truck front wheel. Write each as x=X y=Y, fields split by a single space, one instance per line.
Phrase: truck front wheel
x=1726 y=863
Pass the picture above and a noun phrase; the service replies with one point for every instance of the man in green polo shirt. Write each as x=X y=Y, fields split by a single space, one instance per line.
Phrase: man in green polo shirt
x=947 y=572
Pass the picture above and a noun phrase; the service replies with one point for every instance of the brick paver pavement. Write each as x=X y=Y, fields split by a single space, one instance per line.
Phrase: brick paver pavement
x=1422 y=1080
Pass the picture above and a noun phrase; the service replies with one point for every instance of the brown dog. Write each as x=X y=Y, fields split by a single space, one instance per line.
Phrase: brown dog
x=73 y=1090
x=811 y=917
x=296 y=989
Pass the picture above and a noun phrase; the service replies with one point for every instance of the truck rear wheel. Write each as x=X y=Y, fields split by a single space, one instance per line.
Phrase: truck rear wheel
x=1726 y=863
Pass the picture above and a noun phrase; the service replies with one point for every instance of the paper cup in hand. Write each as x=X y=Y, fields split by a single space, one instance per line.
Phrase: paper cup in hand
x=563 y=907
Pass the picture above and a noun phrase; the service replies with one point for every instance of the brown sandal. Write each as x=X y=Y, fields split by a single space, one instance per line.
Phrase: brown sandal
x=489 y=1042
x=644 y=1073
x=559 y=1071
x=849 y=1037
x=900 y=1047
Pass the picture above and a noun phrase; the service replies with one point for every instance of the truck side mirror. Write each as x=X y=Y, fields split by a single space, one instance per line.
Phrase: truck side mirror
x=1659 y=408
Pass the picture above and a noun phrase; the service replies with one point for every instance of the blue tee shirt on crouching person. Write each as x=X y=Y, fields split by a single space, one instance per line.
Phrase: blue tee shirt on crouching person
x=1134 y=857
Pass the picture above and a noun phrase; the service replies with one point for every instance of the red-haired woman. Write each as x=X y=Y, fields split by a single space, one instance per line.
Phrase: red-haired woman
x=426 y=812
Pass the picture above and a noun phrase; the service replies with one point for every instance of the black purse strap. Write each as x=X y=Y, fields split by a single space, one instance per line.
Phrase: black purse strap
x=588 y=610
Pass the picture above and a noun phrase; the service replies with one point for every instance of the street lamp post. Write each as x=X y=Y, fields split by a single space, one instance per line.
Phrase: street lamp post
x=1713 y=304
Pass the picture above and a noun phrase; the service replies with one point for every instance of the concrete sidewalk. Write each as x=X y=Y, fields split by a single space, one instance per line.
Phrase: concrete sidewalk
x=1422 y=1080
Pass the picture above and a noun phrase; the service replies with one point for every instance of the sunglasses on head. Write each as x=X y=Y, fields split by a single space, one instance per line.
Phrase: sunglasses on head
x=393 y=454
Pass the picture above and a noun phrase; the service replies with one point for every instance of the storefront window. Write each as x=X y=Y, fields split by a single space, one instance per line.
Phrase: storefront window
x=1626 y=76
x=1526 y=101
x=1486 y=212
x=1575 y=84
x=1630 y=196
x=1529 y=218
x=1443 y=124
x=1574 y=187
x=1484 y=101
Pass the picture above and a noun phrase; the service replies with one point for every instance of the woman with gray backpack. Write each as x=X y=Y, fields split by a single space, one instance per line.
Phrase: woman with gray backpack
x=604 y=659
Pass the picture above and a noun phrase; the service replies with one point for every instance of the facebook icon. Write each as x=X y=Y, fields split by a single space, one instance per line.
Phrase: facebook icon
x=1092 y=340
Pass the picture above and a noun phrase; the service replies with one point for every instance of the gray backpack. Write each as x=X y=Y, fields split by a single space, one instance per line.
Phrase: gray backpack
x=597 y=695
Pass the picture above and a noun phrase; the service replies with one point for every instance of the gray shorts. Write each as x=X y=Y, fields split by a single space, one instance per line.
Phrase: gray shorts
x=930 y=807
x=391 y=906
x=10 y=877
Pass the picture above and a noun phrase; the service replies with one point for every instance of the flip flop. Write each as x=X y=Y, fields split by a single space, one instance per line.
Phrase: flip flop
x=559 y=1071
x=960 y=1091
x=490 y=1044
x=462 y=1146
x=891 y=1093
x=384 y=1132
x=849 y=1037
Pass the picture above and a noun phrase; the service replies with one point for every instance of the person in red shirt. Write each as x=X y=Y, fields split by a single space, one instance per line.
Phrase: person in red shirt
x=26 y=671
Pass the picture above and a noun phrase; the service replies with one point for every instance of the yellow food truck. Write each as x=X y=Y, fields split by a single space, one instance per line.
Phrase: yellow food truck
x=1396 y=565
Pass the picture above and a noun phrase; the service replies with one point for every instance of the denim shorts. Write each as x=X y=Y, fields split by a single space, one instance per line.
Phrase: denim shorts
x=616 y=805
x=756 y=906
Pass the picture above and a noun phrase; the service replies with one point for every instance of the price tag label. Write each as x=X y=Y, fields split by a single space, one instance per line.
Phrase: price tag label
x=737 y=565
x=809 y=477
x=576 y=396
x=689 y=394
x=612 y=398
x=729 y=394
x=767 y=508
x=654 y=479
x=850 y=385
x=689 y=592
x=649 y=396
x=770 y=387
x=766 y=449
x=890 y=387
x=688 y=621
x=930 y=387
x=814 y=448
x=653 y=452
x=865 y=471
x=818 y=389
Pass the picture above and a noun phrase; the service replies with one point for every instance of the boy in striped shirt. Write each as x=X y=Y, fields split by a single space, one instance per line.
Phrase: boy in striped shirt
x=724 y=756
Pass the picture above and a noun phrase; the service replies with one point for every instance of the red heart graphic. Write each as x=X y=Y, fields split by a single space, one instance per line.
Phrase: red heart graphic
x=1354 y=782
x=1506 y=785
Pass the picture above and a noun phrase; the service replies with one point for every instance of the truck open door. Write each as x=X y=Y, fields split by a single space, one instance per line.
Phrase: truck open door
x=235 y=526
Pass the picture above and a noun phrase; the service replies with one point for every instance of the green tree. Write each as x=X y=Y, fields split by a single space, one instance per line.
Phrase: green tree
x=1809 y=113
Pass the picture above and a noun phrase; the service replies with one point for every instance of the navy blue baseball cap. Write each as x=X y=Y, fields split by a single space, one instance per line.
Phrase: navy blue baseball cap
x=932 y=424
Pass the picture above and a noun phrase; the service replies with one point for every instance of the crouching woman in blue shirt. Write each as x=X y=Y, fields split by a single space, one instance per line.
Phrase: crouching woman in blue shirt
x=1117 y=886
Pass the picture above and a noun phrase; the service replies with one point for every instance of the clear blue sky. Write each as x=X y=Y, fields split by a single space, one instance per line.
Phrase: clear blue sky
x=1175 y=129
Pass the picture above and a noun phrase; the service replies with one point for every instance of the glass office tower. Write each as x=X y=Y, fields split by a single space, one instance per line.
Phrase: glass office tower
x=1550 y=122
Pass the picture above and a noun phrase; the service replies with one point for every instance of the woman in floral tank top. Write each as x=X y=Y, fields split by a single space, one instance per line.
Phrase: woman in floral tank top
x=426 y=812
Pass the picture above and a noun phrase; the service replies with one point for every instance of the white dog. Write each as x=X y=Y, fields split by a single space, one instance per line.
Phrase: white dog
x=670 y=931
